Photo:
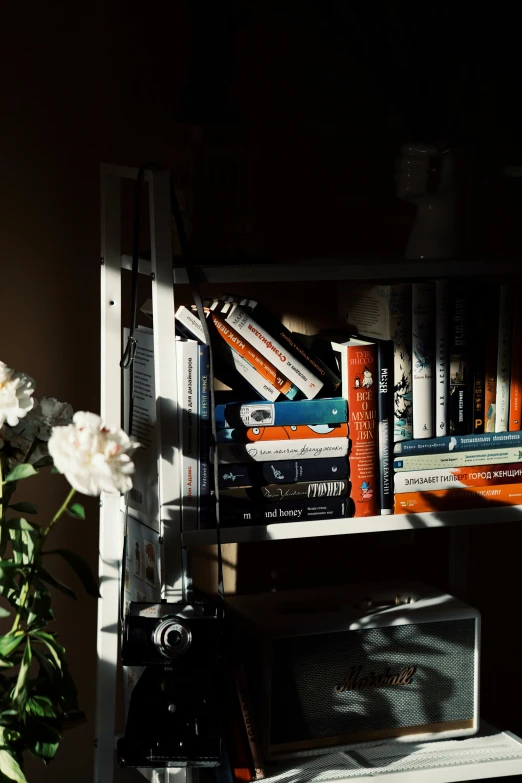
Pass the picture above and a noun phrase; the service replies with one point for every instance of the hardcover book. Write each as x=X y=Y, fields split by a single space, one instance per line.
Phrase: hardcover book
x=358 y=366
x=282 y=471
x=286 y=511
x=328 y=410
x=273 y=492
x=457 y=478
x=488 y=440
x=455 y=499
x=384 y=311
x=458 y=459
x=504 y=358
x=290 y=432
x=460 y=361
x=266 y=451
x=423 y=319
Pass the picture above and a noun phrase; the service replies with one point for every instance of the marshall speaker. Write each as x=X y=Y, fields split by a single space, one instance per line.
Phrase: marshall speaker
x=339 y=667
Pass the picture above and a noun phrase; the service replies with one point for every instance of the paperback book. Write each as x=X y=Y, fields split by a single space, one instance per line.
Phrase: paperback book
x=286 y=511
x=282 y=472
x=328 y=410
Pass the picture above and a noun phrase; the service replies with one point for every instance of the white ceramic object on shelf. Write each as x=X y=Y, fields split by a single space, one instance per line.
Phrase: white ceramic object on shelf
x=425 y=176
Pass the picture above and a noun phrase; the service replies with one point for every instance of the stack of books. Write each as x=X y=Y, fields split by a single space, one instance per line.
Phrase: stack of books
x=456 y=377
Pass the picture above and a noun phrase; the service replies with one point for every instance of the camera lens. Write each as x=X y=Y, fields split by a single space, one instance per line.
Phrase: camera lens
x=171 y=637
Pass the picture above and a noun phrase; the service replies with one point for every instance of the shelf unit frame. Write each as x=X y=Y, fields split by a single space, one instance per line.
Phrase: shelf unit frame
x=172 y=541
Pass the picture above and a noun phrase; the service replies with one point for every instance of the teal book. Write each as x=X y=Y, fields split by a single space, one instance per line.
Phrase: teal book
x=332 y=410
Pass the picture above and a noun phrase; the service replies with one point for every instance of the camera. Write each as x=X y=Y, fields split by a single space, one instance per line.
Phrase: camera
x=173 y=718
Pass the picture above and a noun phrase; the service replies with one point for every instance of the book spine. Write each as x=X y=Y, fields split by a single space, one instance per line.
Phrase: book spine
x=487 y=440
x=362 y=408
x=188 y=364
x=190 y=323
x=457 y=478
x=252 y=414
x=282 y=472
x=269 y=347
x=204 y=435
x=291 y=432
x=385 y=413
x=400 y=332
x=422 y=308
x=253 y=377
x=515 y=390
x=460 y=382
x=504 y=358
x=243 y=694
x=289 y=511
x=276 y=492
x=250 y=355
x=441 y=357
x=458 y=459
x=315 y=366
x=490 y=372
x=455 y=499
x=480 y=318
x=274 y=450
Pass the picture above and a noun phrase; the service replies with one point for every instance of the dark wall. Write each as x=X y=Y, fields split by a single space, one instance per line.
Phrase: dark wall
x=322 y=92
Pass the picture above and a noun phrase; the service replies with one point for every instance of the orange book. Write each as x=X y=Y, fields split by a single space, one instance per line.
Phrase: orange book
x=286 y=432
x=456 y=499
x=515 y=389
x=244 y=349
x=358 y=360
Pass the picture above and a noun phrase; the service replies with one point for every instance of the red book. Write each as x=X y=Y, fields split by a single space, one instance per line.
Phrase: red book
x=358 y=363
x=515 y=389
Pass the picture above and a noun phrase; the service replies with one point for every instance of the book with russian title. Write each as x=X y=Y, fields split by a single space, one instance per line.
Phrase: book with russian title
x=326 y=410
x=187 y=355
x=455 y=499
x=287 y=432
x=282 y=472
x=504 y=358
x=453 y=443
x=422 y=347
x=460 y=398
x=441 y=358
x=515 y=391
x=426 y=462
x=384 y=312
x=358 y=368
x=457 y=478
x=385 y=419
x=286 y=511
x=276 y=492
x=266 y=451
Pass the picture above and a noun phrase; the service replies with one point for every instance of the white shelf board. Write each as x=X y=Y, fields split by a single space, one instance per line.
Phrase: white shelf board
x=341 y=527
x=325 y=269
x=490 y=754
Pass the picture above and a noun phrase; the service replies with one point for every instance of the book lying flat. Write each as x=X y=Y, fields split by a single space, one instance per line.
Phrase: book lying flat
x=276 y=449
x=329 y=410
x=282 y=471
x=289 y=432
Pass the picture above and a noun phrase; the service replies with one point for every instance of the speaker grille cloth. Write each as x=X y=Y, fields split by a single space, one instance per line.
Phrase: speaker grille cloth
x=306 y=670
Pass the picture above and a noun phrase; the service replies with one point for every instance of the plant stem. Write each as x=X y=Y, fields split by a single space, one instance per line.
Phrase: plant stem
x=27 y=584
x=32 y=449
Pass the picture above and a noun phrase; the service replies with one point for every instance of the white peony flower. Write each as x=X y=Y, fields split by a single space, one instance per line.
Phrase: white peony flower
x=16 y=391
x=93 y=458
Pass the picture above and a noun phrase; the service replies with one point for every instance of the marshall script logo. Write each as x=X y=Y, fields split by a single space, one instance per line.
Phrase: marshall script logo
x=355 y=682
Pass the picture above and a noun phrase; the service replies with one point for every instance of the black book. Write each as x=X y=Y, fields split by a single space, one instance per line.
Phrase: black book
x=286 y=511
x=385 y=416
x=282 y=472
x=300 y=490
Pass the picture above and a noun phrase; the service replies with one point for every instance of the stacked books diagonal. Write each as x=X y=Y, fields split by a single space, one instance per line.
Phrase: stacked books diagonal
x=456 y=381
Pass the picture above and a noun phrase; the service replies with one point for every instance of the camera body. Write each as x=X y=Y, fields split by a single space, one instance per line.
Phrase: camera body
x=173 y=718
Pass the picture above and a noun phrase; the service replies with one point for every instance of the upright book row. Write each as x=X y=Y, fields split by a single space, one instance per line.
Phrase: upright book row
x=457 y=353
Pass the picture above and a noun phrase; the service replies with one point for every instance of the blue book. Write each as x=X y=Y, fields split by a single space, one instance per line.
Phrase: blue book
x=332 y=410
x=450 y=443
x=204 y=435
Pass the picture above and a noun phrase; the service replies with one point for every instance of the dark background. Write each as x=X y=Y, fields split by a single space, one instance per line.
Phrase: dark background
x=309 y=102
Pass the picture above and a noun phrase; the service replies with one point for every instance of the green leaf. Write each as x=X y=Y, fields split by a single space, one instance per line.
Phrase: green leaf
x=56 y=650
x=4 y=612
x=20 y=691
x=10 y=767
x=41 y=706
x=23 y=545
x=9 y=643
x=76 y=511
x=51 y=580
x=25 y=508
x=43 y=738
x=54 y=469
x=48 y=666
x=43 y=462
x=80 y=568
x=20 y=472
x=18 y=523
x=40 y=612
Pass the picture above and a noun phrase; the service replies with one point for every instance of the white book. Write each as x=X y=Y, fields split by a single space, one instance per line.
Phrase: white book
x=441 y=357
x=270 y=348
x=456 y=459
x=463 y=477
x=187 y=366
x=505 y=321
x=143 y=496
x=191 y=322
x=422 y=312
x=263 y=451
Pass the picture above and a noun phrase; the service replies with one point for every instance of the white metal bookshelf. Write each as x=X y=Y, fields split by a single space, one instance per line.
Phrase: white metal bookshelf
x=472 y=765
